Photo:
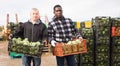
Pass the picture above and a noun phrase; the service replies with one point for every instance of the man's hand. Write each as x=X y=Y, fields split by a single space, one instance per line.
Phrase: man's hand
x=10 y=36
x=81 y=39
x=53 y=42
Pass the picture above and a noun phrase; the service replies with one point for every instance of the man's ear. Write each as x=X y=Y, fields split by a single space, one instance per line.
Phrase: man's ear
x=53 y=12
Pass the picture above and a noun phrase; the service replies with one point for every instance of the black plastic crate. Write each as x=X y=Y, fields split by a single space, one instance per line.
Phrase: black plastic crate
x=115 y=64
x=102 y=21
x=85 y=58
x=102 y=31
x=102 y=63
x=82 y=24
x=103 y=56
x=115 y=22
x=90 y=48
x=116 y=48
x=87 y=64
x=116 y=40
x=103 y=48
x=103 y=40
x=87 y=32
x=115 y=57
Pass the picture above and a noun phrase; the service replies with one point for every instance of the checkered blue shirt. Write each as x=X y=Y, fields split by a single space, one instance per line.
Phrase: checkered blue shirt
x=62 y=30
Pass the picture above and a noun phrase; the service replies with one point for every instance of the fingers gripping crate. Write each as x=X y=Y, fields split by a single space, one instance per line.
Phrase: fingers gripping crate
x=66 y=49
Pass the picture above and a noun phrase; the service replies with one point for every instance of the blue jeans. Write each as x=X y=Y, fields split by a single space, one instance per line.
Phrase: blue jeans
x=26 y=61
x=70 y=60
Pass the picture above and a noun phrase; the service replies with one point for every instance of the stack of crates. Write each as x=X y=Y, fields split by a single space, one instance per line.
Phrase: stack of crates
x=86 y=31
x=102 y=29
x=77 y=57
x=12 y=27
x=115 y=46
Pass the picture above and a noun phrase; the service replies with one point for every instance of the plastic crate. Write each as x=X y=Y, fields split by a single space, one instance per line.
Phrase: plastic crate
x=87 y=32
x=64 y=50
x=88 y=24
x=101 y=21
x=87 y=58
x=78 y=25
x=116 y=57
x=115 y=64
x=115 y=31
x=116 y=48
x=103 y=31
x=103 y=63
x=116 y=40
x=15 y=55
x=115 y=22
x=82 y=24
x=103 y=48
x=87 y=64
x=102 y=40
x=103 y=56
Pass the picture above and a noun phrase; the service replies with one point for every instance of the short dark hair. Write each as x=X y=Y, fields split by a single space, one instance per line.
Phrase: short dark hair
x=57 y=6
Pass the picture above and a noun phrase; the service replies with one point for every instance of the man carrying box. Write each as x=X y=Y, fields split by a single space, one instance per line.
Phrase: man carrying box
x=62 y=29
x=34 y=30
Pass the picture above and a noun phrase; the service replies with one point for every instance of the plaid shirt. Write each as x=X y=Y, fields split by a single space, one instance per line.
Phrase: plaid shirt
x=61 y=30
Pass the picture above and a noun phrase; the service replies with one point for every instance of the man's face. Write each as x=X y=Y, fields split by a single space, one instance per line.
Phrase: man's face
x=34 y=15
x=58 y=11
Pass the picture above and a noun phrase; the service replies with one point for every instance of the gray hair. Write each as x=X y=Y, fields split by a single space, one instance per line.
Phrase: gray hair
x=35 y=9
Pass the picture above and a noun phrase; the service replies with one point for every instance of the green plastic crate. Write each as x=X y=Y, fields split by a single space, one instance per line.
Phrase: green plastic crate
x=15 y=55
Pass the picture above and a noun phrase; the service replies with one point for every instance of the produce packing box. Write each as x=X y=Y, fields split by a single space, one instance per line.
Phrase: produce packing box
x=115 y=31
x=70 y=48
x=25 y=47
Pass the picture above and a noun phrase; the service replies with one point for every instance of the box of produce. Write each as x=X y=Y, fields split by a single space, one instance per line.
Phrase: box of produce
x=82 y=24
x=101 y=31
x=103 y=56
x=88 y=24
x=116 y=40
x=116 y=48
x=102 y=63
x=87 y=32
x=115 y=31
x=102 y=21
x=115 y=22
x=103 y=48
x=25 y=47
x=87 y=64
x=103 y=40
x=88 y=57
x=116 y=64
x=116 y=57
x=70 y=48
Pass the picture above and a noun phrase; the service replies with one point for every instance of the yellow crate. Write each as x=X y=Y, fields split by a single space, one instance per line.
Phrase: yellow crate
x=88 y=24
x=78 y=25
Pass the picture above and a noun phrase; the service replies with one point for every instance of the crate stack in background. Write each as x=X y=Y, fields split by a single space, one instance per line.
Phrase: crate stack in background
x=86 y=31
x=77 y=57
x=102 y=29
x=115 y=46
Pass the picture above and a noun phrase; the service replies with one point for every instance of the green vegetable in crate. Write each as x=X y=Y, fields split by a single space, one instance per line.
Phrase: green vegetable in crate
x=74 y=42
x=23 y=46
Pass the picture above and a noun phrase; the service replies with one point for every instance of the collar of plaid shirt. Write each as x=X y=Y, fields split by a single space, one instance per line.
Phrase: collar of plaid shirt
x=60 y=18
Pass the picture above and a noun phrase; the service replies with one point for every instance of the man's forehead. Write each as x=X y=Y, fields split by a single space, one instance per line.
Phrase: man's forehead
x=33 y=11
x=58 y=8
